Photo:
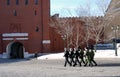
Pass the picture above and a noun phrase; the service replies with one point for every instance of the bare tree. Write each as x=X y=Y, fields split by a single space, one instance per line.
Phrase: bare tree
x=70 y=28
x=77 y=32
x=93 y=28
x=95 y=25
x=62 y=27
x=85 y=15
x=97 y=29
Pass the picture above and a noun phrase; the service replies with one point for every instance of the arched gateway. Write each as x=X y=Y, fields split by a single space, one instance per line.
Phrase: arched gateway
x=15 y=50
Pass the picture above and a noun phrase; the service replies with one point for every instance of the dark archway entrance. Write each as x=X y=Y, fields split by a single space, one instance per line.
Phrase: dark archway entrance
x=17 y=50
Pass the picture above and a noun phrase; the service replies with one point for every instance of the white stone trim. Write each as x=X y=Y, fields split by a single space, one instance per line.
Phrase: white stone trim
x=7 y=38
x=46 y=41
x=21 y=38
x=14 y=34
x=15 y=38
x=8 y=47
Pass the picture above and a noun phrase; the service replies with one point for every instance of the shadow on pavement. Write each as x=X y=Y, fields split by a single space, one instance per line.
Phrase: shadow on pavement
x=12 y=60
x=109 y=65
x=101 y=76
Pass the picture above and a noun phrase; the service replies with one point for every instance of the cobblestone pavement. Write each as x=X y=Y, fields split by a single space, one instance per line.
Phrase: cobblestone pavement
x=55 y=68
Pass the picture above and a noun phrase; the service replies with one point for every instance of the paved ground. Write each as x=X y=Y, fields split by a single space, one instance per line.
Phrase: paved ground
x=55 y=68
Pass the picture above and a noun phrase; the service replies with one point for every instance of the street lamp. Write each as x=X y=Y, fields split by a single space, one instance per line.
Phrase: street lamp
x=115 y=29
x=64 y=37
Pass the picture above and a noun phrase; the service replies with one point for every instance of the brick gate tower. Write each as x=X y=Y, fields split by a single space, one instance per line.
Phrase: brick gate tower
x=24 y=27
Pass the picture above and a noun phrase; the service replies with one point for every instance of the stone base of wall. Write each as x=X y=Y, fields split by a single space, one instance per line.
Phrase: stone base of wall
x=26 y=55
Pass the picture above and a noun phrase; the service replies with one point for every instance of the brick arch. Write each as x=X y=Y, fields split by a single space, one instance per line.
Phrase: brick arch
x=15 y=50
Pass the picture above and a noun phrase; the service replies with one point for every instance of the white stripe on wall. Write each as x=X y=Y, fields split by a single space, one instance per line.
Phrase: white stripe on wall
x=15 y=38
x=7 y=38
x=21 y=38
x=46 y=41
x=14 y=34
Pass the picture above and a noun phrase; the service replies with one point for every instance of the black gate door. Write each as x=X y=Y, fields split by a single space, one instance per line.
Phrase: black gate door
x=17 y=50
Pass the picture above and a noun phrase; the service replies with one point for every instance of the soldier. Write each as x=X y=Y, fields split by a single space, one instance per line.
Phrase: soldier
x=66 y=55
x=72 y=56
x=87 y=57
x=92 y=54
x=82 y=56
x=77 y=54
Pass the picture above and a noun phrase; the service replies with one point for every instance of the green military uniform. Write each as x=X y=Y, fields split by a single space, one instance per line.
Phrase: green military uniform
x=82 y=56
x=92 y=54
x=88 y=58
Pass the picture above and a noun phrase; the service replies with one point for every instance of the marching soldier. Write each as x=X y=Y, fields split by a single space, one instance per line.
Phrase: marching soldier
x=77 y=54
x=92 y=54
x=66 y=55
x=87 y=57
x=82 y=56
x=72 y=56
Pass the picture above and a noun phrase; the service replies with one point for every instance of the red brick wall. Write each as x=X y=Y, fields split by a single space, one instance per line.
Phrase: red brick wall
x=57 y=44
x=25 y=22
